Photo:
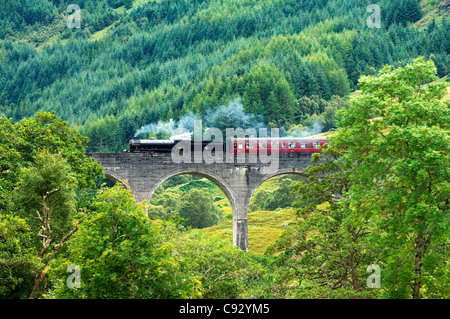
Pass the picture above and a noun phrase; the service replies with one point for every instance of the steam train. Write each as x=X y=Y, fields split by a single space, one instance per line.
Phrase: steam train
x=236 y=145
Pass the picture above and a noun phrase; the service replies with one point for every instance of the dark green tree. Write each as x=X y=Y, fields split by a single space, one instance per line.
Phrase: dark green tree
x=199 y=210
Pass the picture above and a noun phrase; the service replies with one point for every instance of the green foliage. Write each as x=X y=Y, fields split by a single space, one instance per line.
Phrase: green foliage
x=9 y=160
x=165 y=206
x=47 y=131
x=48 y=173
x=176 y=199
x=224 y=270
x=23 y=146
x=327 y=248
x=160 y=59
x=379 y=196
x=199 y=210
x=401 y=165
x=406 y=11
x=18 y=260
x=279 y=198
x=318 y=114
x=179 y=180
x=201 y=184
x=122 y=254
x=43 y=167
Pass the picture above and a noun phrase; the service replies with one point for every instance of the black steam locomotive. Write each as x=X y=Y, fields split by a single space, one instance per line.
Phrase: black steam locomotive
x=160 y=146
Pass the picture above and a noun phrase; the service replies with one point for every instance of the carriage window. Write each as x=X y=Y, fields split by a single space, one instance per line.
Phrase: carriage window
x=316 y=144
x=240 y=146
x=274 y=145
x=262 y=145
x=292 y=145
x=283 y=145
x=251 y=145
x=304 y=144
x=246 y=145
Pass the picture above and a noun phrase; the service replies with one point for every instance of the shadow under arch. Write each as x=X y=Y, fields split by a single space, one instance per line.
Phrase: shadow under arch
x=115 y=178
x=222 y=184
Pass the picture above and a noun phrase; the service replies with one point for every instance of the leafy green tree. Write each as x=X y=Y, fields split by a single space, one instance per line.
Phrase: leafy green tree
x=280 y=198
x=47 y=131
x=9 y=161
x=165 y=205
x=325 y=254
x=407 y=11
x=268 y=93
x=19 y=262
x=258 y=200
x=49 y=177
x=380 y=196
x=395 y=136
x=224 y=270
x=47 y=189
x=43 y=170
x=199 y=210
x=122 y=254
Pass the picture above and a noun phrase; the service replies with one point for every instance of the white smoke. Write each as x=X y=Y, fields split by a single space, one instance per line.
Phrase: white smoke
x=231 y=115
x=167 y=128
x=301 y=131
x=225 y=116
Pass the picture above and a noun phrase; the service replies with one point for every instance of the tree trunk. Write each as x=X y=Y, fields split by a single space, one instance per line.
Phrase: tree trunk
x=39 y=279
x=421 y=246
x=356 y=282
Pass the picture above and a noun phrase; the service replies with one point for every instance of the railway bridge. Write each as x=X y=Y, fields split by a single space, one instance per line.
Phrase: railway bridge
x=237 y=177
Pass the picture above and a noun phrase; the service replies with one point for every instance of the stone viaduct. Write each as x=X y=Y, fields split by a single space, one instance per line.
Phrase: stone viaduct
x=143 y=173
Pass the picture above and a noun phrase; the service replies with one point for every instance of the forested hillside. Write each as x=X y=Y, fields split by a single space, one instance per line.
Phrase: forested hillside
x=369 y=218
x=133 y=63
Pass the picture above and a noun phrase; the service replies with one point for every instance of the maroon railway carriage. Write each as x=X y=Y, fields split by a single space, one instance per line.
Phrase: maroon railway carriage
x=237 y=145
x=283 y=145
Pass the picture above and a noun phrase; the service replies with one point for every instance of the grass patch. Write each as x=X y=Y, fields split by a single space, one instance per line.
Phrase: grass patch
x=101 y=33
x=264 y=228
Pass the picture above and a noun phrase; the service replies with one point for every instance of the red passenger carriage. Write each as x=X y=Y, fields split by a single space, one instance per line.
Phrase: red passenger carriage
x=283 y=145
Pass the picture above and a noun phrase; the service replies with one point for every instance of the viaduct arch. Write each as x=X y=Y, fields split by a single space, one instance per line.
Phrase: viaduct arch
x=143 y=173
